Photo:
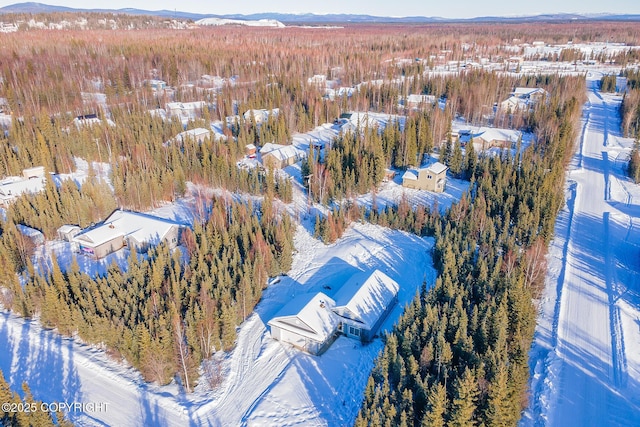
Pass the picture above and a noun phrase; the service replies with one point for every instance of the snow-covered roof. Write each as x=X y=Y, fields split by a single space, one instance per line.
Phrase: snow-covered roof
x=10 y=190
x=489 y=134
x=280 y=152
x=197 y=134
x=437 y=168
x=185 y=105
x=67 y=228
x=365 y=297
x=410 y=175
x=29 y=231
x=308 y=315
x=261 y=115
x=420 y=99
x=527 y=91
x=89 y=120
x=139 y=226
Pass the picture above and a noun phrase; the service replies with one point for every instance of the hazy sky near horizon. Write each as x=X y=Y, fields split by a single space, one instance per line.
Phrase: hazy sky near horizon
x=445 y=9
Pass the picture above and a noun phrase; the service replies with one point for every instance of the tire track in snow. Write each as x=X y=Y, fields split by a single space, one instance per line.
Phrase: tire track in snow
x=618 y=354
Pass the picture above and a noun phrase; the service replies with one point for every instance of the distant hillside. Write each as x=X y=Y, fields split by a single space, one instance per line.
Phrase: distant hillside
x=32 y=7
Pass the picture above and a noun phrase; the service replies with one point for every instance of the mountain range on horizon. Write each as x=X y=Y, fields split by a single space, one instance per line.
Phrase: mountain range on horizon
x=34 y=7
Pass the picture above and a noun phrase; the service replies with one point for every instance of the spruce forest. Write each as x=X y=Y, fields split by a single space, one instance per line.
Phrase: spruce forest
x=458 y=356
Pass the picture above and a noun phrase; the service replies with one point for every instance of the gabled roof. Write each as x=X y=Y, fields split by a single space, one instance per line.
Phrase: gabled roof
x=16 y=188
x=410 y=175
x=139 y=226
x=490 y=134
x=308 y=315
x=196 y=134
x=437 y=168
x=365 y=297
x=527 y=91
x=67 y=228
x=280 y=152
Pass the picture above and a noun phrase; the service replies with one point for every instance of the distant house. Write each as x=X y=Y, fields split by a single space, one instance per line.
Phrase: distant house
x=306 y=322
x=523 y=99
x=34 y=172
x=417 y=100
x=486 y=137
x=260 y=116
x=157 y=85
x=198 y=135
x=90 y=120
x=250 y=150
x=319 y=80
x=431 y=178
x=32 y=182
x=135 y=230
x=184 y=111
x=364 y=302
x=278 y=156
x=68 y=232
x=389 y=175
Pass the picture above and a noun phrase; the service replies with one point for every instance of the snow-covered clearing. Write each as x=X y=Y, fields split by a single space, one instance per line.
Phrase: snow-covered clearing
x=266 y=382
x=585 y=359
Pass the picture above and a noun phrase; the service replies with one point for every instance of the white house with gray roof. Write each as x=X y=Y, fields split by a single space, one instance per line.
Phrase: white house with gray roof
x=135 y=230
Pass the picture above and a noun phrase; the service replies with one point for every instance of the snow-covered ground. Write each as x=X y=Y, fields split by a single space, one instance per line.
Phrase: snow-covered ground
x=266 y=382
x=585 y=359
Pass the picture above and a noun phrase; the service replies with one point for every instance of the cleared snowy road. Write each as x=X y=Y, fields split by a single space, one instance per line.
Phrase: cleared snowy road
x=586 y=359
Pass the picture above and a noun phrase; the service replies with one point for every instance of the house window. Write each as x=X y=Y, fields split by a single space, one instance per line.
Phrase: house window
x=354 y=331
x=429 y=177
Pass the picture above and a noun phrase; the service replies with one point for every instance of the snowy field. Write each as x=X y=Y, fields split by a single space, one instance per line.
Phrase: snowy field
x=585 y=360
x=266 y=382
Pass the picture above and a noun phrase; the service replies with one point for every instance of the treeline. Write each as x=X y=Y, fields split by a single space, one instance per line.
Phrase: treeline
x=25 y=411
x=459 y=354
x=630 y=109
x=91 y=21
x=163 y=314
x=147 y=165
x=608 y=83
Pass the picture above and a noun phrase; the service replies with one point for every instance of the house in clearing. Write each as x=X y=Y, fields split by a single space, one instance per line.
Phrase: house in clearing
x=364 y=302
x=485 y=137
x=135 y=230
x=431 y=178
x=185 y=111
x=523 y=99
x=278 y=156
x=88 y=120
x=260 y=116
x=306 y=322
x=198 y=135
x=419 y=100
x=34 y=172
x=33 y=182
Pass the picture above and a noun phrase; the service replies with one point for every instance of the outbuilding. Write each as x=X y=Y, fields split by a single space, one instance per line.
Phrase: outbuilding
x=67 y=232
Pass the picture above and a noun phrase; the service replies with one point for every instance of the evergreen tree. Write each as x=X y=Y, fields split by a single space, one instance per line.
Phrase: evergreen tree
x=464 y=403
x=633 y=168
x=456 y=160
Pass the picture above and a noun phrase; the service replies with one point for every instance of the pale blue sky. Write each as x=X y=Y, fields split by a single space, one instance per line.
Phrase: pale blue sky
x=442 y=8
